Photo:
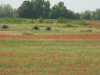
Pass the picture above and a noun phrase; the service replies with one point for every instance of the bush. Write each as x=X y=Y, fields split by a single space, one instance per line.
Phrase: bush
x=49 y=21
x=63 y=20
x=81 y=30
x=36 y=28
x=5 y=26
x=56 y=30
x=90 y=26
x=60 y=20
x=40 y=20
x=69 y=25
x=84 y=23
x=32 y=21
x=48 y=28
x=35 y=18
x=27 y=33
x=88 y=30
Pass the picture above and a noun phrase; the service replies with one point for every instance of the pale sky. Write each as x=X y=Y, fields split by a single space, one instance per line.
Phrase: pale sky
x=74 y=5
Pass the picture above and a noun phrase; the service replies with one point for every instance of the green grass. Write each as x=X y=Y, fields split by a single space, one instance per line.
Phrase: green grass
x=46 y=55
x=23 y=52
x=54 y=30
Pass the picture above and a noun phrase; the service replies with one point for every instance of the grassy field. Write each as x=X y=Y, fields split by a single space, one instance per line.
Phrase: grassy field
x=55 y=29
x=49 y=56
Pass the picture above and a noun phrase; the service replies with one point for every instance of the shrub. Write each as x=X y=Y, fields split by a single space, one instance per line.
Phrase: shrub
x=81 y=30
x=69 y=25
x=84 y=23
x=36 y=28
x=66 y=20
x=5 y=26
x=48 y=28
x=88 y=30
x=63 y=20
x=35 y=18
x=90 y=26
x=56 y=30
x=40 y=20
x=60 y=20
x=27 y=33
x=49 y=21
x=32 y=21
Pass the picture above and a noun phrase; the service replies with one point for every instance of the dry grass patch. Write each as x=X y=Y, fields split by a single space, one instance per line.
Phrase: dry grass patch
x=88 y=30
x=27 y=33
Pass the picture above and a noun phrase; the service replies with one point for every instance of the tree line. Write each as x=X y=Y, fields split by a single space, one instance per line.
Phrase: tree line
x=37 y=8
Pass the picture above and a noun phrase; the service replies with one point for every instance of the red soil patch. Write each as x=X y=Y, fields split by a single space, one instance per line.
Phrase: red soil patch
x=52 y=36
x=93 y=24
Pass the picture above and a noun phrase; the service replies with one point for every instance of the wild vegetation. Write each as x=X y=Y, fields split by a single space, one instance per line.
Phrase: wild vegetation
x=70 y=47
x=49 y=43
x=37 y=8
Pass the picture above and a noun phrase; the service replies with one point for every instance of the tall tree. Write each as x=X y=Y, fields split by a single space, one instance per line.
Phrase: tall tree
x=77 y=16
x=8 y=10
x=34 y=9
x=60 y=10
x=39 y=4
x=97 y=14
x=2 y=12
x=24 y=11
x=86 y=15
x=46 y=9
x=55 y=12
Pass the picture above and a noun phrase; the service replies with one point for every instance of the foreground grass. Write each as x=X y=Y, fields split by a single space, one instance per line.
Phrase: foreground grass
x=43 y=57
x=54 y=30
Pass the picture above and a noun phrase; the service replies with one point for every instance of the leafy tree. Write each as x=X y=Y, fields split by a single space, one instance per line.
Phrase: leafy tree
x=8 y=10
x=2 y=12
x=77 y=16
x=60 y=5
x=15 y=12
x=46 y=9
x=24 y=11
x=93 y=15
x=60 y=10
x=97 y=14
x=55 y=12
x=34 y=9
x=86 y=15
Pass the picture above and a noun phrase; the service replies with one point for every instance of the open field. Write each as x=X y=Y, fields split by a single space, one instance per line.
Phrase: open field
x=55 y=29
x=47 y=57
x=60 y=51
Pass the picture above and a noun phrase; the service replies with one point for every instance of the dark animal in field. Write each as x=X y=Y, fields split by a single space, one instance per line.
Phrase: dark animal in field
x=48 y=28
x=36 y=28
x=5 y=26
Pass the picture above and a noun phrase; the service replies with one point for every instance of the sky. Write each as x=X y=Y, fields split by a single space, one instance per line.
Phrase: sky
x=74 y=5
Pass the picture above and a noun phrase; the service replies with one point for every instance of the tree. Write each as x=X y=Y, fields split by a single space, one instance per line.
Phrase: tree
x=15 y=12
x=93 y=15
x=77 y=16
x=39 y=4
x=46 y=8
x=97 y=14
x=55 y=12
x=60 y=5
x=34 y=9
x=86 y=15
x=2 y=12
x=8 y=10
x=24 y=11
x=60 y=10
